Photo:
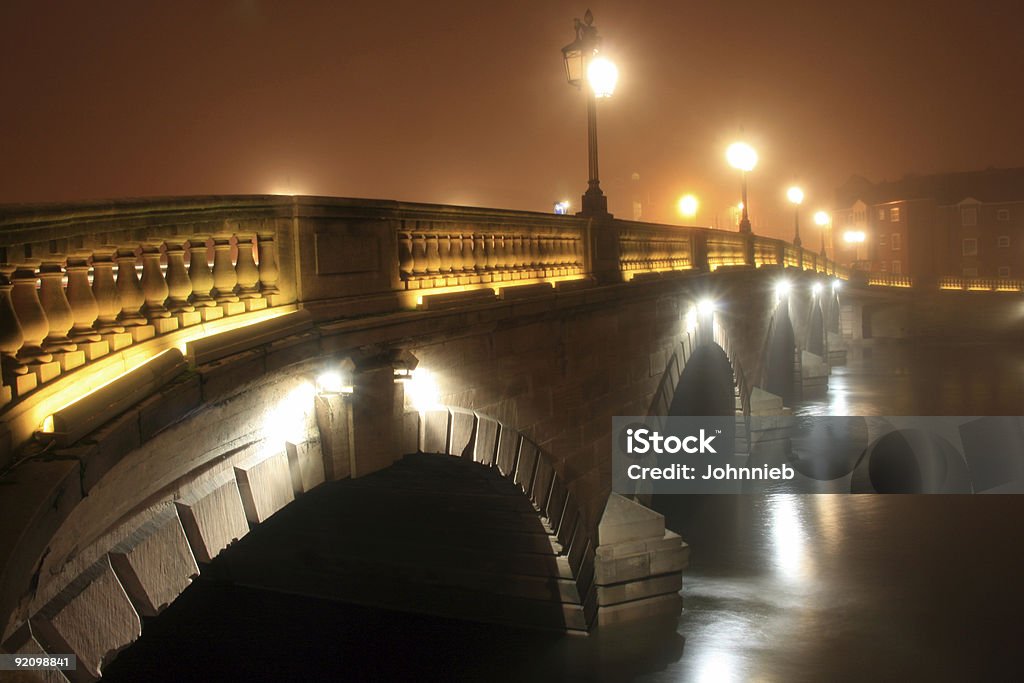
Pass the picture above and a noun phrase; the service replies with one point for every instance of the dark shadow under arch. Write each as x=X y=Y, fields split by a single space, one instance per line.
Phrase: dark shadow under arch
x=780 y=356
x=707 y=386
x=816 y=330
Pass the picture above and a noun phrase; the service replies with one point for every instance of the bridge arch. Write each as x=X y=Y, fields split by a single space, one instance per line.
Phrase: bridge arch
x=780 y=354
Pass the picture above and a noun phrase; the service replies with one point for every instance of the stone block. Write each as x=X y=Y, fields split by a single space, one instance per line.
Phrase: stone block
x=118 y=340
x=232 y=308
x=140 y=333
x=542 y=482
x=265 y=485
x=625 y=520
x=526 y=465
x=94 y=350
x=292 y=350
x=255 y=304
x=374 y=420
x=189 y=318
x=165 y=325
x=306 y=465
x=155 y=563
x=638 y=590
x=334 y=422
x=209 y=313
x=486 y=442
x=23 y=384
x=435 y=431
x=661 y=606
x=463 y=428
x=69 y=360
x=92 y=618
x=212 y=518
x=224 y=377
x=556 y=504
x=46 y=372
x=105 y=447
x=508 y=445
x=6 y=394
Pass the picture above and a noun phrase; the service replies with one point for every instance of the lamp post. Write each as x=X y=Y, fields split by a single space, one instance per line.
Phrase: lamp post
x=582 y=60
x=821 y=219
x=796 y=196
x=743 y=158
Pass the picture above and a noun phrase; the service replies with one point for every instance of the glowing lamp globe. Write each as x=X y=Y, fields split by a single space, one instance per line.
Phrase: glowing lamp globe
x=821 y=218
x=602 y=76
x=741 y=156
x=795 y=195
x=688 y=205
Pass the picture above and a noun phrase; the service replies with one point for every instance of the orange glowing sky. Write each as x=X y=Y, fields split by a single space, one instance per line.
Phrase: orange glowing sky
x=466 y=102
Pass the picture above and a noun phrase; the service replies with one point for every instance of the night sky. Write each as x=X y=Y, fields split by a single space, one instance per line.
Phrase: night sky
x=466 y=102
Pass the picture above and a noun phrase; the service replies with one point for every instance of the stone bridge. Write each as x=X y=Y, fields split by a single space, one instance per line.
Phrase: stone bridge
x=175 y=372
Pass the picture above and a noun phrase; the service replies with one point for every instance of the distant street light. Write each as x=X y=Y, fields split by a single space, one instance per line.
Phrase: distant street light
x=562 y=208
x=581 y=58
x=796 y=196
x=688 y=205
x=822 y=219
x=743 y=158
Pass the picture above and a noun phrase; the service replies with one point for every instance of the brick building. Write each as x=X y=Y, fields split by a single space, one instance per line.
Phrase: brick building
x=968 y=224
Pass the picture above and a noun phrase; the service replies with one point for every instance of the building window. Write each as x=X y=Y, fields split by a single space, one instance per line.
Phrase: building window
x=969 y=215
x=859 y=216
x=970 y=272
x=970 y=247
x=883 y=240
x=1003 y=241
x=894 y=214
x=896 y=267
x=1003 y=215
x=881 y=214
x=884 y=265
x=896 y=241
x=1004 y=271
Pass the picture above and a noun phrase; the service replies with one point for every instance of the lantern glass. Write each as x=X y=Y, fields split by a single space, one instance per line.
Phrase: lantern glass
x=573 y=55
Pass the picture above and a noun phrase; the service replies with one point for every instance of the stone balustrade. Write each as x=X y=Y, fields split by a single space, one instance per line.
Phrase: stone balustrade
x=439 y=255
x=652 y=249
x=981 y=284
x=79 y=283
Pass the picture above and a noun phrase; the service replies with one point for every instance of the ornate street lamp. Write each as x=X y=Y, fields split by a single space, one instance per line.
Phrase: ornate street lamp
x=582 y=61
x=822 y=219
x=796 y=196
x=743 y=158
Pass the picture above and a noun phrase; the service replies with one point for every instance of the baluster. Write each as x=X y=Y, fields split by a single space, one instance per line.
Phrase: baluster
x=532 y=250
x=179 y=286
x=419 y=254
x=444 y=252
x=433 y=258
x=224 y=277
x=13 y=371
x=245 y=268
x=492 y=244
x=508 y=257
x=479 y=253
x=108 y=302
x=55 y=303
x=154 y=287
x=468 y=258
x=269 y=271
x=30 y=313
x=454 y=253
x=84 y=309
x=129 y=290
x=404 y=255
x=200 y=275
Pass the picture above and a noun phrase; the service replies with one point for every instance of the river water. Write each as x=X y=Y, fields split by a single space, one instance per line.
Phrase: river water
x=780 y=587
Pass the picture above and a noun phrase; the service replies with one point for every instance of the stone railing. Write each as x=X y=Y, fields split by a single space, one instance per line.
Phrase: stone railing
x=974 y=284
x=439 y=254
x=645 y=248
x=79 y=283
x=890 y=280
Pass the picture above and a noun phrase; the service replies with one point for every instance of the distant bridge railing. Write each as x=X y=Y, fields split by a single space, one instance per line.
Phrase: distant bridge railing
x=108 y=285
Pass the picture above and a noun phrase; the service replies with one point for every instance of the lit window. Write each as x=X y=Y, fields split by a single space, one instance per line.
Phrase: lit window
x=881 y=214
x=897 y=267
x=970 y=272
x=1003 y=215
x=1004 y=271
x=896 y=241
x=894 y=214
x=969 y=215
x=970 y=247
x=1003 y=241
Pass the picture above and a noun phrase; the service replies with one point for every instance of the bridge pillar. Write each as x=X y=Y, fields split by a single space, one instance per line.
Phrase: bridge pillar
x=601 y=251
x=376 y=418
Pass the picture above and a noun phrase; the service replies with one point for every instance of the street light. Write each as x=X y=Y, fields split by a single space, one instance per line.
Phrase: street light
x=688 y=206
x=581 y=59
x=796 y=196
x=743 y=158
x=821 y=219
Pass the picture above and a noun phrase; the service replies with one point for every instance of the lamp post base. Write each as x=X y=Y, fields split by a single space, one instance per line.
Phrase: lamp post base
x=595 y=203
x=745 y=225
